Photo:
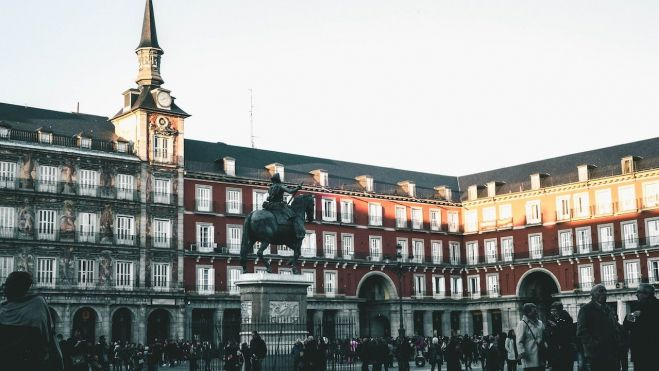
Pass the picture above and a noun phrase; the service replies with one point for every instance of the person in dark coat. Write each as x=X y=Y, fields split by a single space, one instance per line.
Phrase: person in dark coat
x=492 y=356
x=364 y=353
x=259 y=350
x=596 y=328
x=560 y=338
x=435 y=355
x=643 y=327
x=452 y=355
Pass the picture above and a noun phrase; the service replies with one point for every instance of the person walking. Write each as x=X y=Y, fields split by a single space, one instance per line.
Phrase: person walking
x=643 y=327
x=435 y=355
x=492 y=357
x=560 y=338
x=531 y=339
x=511 y=351
x=596 y=328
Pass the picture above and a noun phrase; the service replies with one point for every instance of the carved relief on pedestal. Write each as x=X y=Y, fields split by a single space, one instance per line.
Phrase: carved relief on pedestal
x=246 y=311
x=284 y=311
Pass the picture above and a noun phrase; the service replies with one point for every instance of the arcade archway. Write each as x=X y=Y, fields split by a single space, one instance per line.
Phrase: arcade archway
x=378 y=293
x=538 y=286
x=84 y=320
x=158 y=325
x=122 y=325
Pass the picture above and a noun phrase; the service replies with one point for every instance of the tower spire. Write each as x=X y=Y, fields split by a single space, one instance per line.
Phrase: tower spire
x=148 y=51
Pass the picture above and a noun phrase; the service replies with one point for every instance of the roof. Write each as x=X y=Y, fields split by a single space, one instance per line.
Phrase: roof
x=145 y=100
x=563 y=169
x=149 y=38
x=62 y=123
x=250 y=163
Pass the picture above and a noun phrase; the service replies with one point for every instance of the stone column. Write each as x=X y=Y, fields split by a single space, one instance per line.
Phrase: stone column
x=354 y=316
x=140 y=325
x=106 y=322
x=467 y=323
x=446 y=323
x=188 y=321
x=487 y=322
x=394 y=321
x=218 y=321
x=66 y=322
x=622 y=310
x=505 y=319
x=427 y=323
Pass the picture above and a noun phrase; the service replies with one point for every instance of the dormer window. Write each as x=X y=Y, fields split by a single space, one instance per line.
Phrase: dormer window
x=275 y=168
x=45 y=137
x=472 y=193
x=628 y=164
x=85 y=142
x=321 y=177
x=584 y=172
x=4 y=132
x=443 y=192
x=408 y=187
x=230 y=166
x=366 y=182
x=122 y=147
x=491 y=189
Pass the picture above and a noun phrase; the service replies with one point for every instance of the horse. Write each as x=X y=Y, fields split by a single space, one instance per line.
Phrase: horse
x=262 y=226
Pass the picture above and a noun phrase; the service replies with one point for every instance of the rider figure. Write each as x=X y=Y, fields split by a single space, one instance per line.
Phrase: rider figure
x=276 y=204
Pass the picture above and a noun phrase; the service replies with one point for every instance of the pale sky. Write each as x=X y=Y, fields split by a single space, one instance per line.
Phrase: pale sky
x=447 y=87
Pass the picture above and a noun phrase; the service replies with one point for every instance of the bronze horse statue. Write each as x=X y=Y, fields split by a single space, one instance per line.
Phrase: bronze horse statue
x=262 y=226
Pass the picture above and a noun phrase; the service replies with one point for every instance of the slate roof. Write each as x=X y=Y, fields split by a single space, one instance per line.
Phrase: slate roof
x=145 y=100
x=149 y=38
x=563 y=169
x=250 y=163
x=62 y=123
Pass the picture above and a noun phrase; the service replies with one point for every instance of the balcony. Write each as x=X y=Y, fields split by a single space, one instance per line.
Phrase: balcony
x=505 y=223
x=584 y=248
x=48 y=234
x=65 y=141
x=235 y=208
x=203 y=247
x=90 y=190
x=375 y=220
x=474 y=295
x=329 y=216
x=204 y=206
x=400 y=223
x=8 y=183
x=46 y=186
x=456 y=294
x=610 y=284
x=606 y=246
x=233 y=247
x=347 y=218
x=329 y=253
x=488 y=225
x=535 y=253
x=93 y=283
x=418 y=259
x=586 y=285
x=439 y=295
x=435 y=225
x=567 y=250
x=632 y=282
x=455 y=260
x=436 y=259
x=507 y=256
x=125 y=239
x=164 y=198
x=536 y=220
x=491 y=258
x=87 y=236
x=8 y=232
x=308 y=252
x=161 y=241
x=493 y=292
x=348 y=255
x=417 y=224
x=375 y=256
x=128 y=194
x=563 y=216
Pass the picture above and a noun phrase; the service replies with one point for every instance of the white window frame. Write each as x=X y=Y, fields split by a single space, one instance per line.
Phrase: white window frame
x=492 y=283
x=474 y=292
x=6 y=267
x=586 y=277
x=489 y=214
x=456 y=287
x=162 y=231
x=309 y=248
x=604 y=201
x=348 y=245
x=454 y=252
x=565 y=242
x=162 y=191
x=629 y=240
x=234 y=236
x=535 y=252
x=205 y=237
x=650 y=194
x=453 y=221
x=7 y=222
x=563 y=211
x=48 y=178
x=330 y=282
x=583 y=240
x=436 y=251
x=631 y=279
x=507 y=249
x=160 y=276
x=533 y=212
x=652 y=231
x=347 y=215
x=86 y=272
x=417 y=217
x=234 y=200
x=46 y=272
x=329 y=209
x=491 y=249
x=123 y=274
x=627 y=198
x=419 y=285
x=125 y=229
x=88 y=181
x=259 y=196
x=581 y=205
x=401 y=216
x=609 y=281
x=329 y=245
x=45 y=137
x=653 y=270
x=203 y=203
x=438 y=286
x=8 y=171
x=162 y=149
x=125 y=186
x=435 y=216
x=606 y=242
x=471 y=221
x=404 y=248
x=418 y=251
x=471 y=248
x=375 y=248
x=505 y=213
x=310 y=273
x=87 y=227
x=205 y=280
x=374 y=214
x=233 y=275
x=47 y=225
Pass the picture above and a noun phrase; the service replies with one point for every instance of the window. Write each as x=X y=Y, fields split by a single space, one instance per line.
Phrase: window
x=47 y=229
x=474 y=286
x=456 y=287
x=309 y=244
x=348 y=245
x=401 y=217
x=278 y=168
x=471 y=221
x=563 y=208
x=229 y=166
x=47 y=179
x=493 y=285
x=404 y=251
x=608 y=273
x=123 y=273
x=489 y=215
x=88 y=182
x=626 y=198
x=125 y=187
x=582 y=171
x=6 y=266
x=161 y=191
x=454 y=252
x=329 y=247
x=418 y=251
x=491 y=251
x=632 y=273
x=259 y=198
x=419 y=285
x=323 y=179
x=86 y=272
x=605 y=233
x=653 y=270
x=417 y=218
x=45 y=137
x=205 y=280
x=125 y=230
x=233 y=275
x=85 y=142
x=205 y=237
x=472 y=193
x=436 y=247
x=629 y=235
x=346 y=211
x=652 y=231
x=330 y=283
x=86 y=227
x=160 y=276
x=586 y=277
x=535 y=181
x=584 y=242
x=161 y=232
x=234 y=201
x=234 y=235
x=162 y=151
x=374 y=214
x=581 y=205
x=565 y=242
x=329 y=209
x=7 y=175
x=46 y=272
x=472 y=252
x=122 y=147
x=452 y=221
x=535 y=246
x=4 y=132
x=438 y=287
x=375 y=248
x=603 y=199
x=651 y=194
x=310 y=276
x=533 y=214
x=507 y=249
x=435 y=220
x=203 y=198
x=7 y=222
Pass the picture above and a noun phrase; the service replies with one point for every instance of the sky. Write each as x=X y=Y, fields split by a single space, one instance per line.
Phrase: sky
x=445 y=87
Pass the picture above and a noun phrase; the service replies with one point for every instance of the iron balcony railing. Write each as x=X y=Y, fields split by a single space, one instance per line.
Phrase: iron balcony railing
x=92 y=282
x=67 y=141
x=71 y=188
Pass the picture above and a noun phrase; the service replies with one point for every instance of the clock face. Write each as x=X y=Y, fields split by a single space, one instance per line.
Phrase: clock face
x=164 y=99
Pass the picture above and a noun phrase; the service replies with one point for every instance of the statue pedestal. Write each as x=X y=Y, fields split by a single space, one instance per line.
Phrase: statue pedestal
x=275 y=305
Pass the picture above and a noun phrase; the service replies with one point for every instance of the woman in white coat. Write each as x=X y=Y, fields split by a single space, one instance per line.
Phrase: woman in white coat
x=511 y=351
x=530 y=336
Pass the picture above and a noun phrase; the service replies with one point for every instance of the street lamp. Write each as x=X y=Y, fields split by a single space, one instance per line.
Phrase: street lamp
x=399 y=272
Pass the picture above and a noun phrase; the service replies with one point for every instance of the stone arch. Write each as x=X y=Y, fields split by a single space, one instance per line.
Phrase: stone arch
x=389 y=288
x=56 y=319
x=524 y=280
x=88 y=321
x=538 y=286
x=159 y=324
x=123 y=324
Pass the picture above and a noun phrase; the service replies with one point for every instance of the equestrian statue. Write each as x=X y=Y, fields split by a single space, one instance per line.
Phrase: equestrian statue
x=277 y=223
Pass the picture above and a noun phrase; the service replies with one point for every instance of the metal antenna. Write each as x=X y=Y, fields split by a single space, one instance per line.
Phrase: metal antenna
x=251 y=117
